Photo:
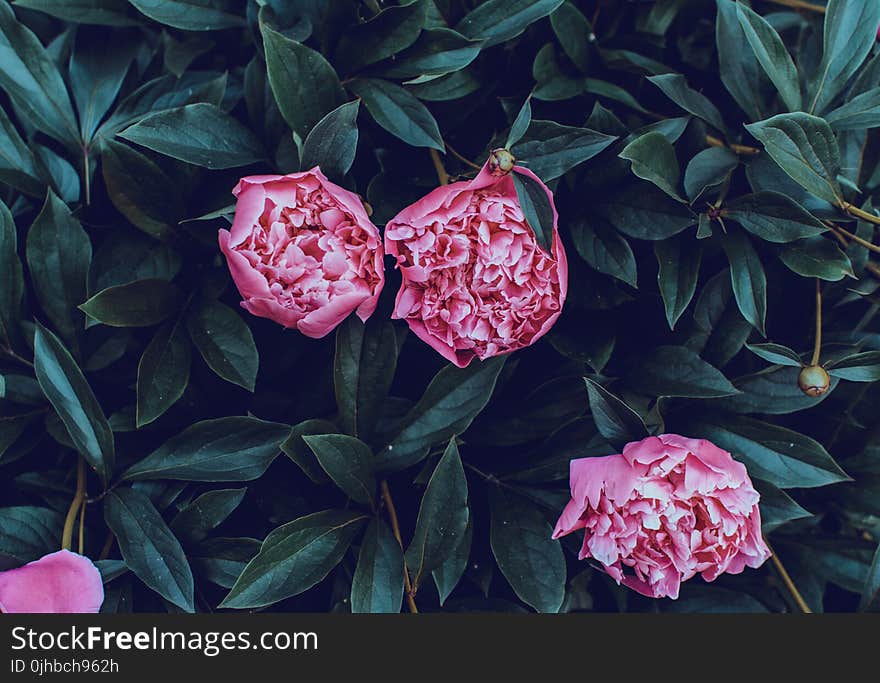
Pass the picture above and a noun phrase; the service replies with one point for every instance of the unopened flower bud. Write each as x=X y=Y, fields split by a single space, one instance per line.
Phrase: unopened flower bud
x=814 y=380
x=501 y=162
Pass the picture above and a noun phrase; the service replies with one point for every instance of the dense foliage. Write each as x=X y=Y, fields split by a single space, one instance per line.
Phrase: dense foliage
x=713 y=166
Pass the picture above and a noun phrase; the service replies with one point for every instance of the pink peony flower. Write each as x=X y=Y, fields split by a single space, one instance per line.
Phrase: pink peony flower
x=303 y=252
x=666 y=509
x=59 y=583
x=475 y=281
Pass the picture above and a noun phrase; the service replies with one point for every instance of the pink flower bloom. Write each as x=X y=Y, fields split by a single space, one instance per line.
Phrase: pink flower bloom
x=60 y=583
x=303 y=252
x=475 y=281
x=666 y=509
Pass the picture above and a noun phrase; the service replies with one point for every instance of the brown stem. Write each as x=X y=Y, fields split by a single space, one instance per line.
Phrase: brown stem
x=75 y=505
x=463 y=159
x=799 y=4
x=855 y=211
x=395 y=529
x=108 y=544
x=12 y=355
x=789 y=584
x=817 y=343
x=858 y=240
x=837 y=231
x=744 y=150
x=82 y=527
x=442 y=175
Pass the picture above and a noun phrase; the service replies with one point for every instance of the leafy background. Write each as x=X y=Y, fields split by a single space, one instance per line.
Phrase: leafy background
x=712 y=163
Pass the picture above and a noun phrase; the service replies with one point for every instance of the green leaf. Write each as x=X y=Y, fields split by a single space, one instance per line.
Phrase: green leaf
x=59 y=253
x=142 y=303
x=449 y=87
x=678 y=371
x=163 y=372
x=450 y=403
x=448 y=574
x=615 y=420
x=816 y=257
x=73 y=400
x=772 y=55
x=32 y=81
x=777 y=507
x=805 y=148
x=604 y=249
x=720 y=330
x=377 y=585
x=225 y=342
x=679 y=270
x=295 y=447
x=536 y=204
x=522 y=543
x=860 y=367
x=222 y=560
x=675 y=87
x=332 y=143
x=644 y=212
x=437 y=52
x=125 y=256
x=398 y=112
x=17 y=164
x=140 y=190
x=225 y=449
x=708 y=170
x=849 y=35
x=295 y=557
x=653 y=159
x=11 y=279
x=29 y=532
x=573 y=30
x=872 y=583
x=305 y=86
x=520 y=124
x=862 y=111
x=100 y=12
x=772 y=391
x=777 y=353
x=550 y=150
x=773 y=216
x=384 y=35
x=200 y=134
x=748 y=278
x=740 y=71
x=497 y=21
x=552 y=82
x=148 y=546
x=781 y=456
x=443 y=516
x=195 y=521
x=349 y=462
x=363 y=369
x=189 y=15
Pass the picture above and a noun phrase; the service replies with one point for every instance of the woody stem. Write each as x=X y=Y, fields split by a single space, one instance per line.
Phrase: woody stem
x=817 y=343
x=395 y=529
x=442 y=175
x=75 y=505
x=789 y=584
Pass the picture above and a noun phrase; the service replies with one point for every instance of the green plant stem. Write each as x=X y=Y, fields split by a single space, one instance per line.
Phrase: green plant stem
x=12 y=355
x=108 y=544
x=395 y=529
x=799 y=4
x=870 y=246
x=463 y=159
x=855 y=211
x=744 y=150
x=442 y=175
x=817 y=343
x=786 y=579
x=75 y=505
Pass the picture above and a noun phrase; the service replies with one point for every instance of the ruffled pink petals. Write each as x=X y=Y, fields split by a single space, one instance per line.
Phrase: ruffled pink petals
x=59 y=583
x=303 y=252
x=476 y=284
x=666 y=509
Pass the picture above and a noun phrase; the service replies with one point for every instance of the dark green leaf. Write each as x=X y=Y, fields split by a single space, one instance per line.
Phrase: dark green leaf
x=29 y=532
x=872 y=583
x=573 y=31
x=398 y=112
x=860 y=367
x=443 y=516
x=773 y=217
x=295 y=557
x=225 y=342
x=816 y=257
x=225 y=449
x=604 y=249
x=678 y=371
x=100 y=12
x=776 y=353
x=497 y=21
x=536 y=204
x=448 y=574
x=386 y=34
x=863 y=111
x=332 y=143
x=709 y=169
x=741 y=73
x=74 y=402
x=653 y=159
x=777 y=507
x=163 y=372
x=437 y=52
x=189 y=15
x=805 y=148
x=644 y=212
x=377 y=585
x=349 y=463
x=58 y=255
x=551 y=150
x=17 y=164
x=148 y=546
x=748 y=278
x=222 y=560
x=520 y=124
x=193 y=523
x=11 y=280
x=675 y=87
x=531 y=561
x=450 y=403
x=295 y=447
x=679 y=261
x=200 y=134
x=615 y=420
x=142 y=303
x=771 y=55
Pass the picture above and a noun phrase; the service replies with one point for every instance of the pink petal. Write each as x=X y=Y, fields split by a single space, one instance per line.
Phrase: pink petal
x=60 y=583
